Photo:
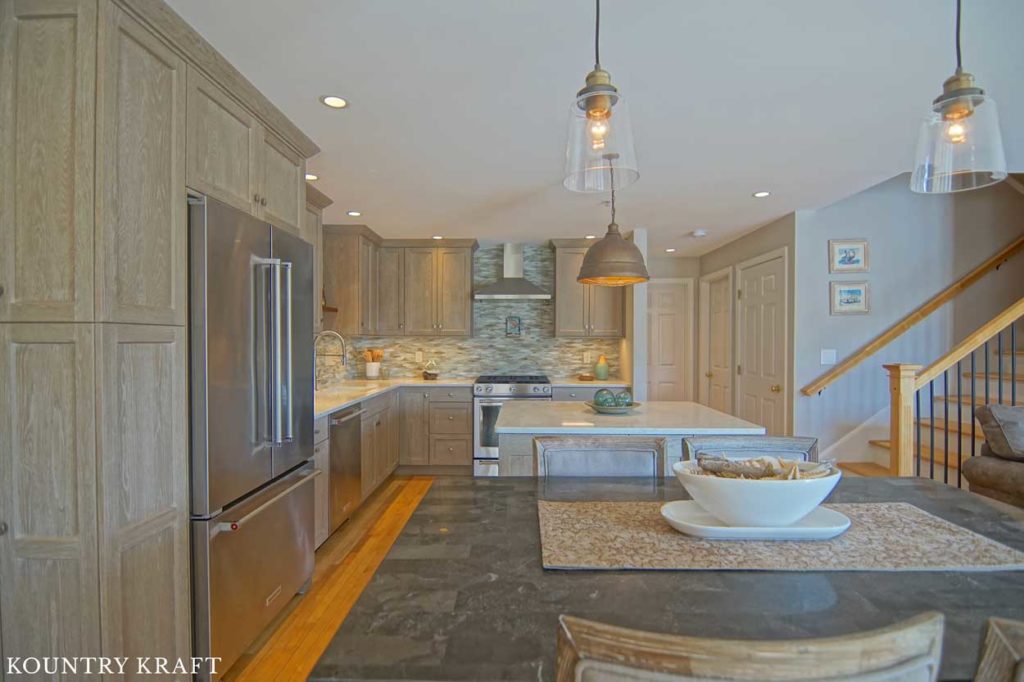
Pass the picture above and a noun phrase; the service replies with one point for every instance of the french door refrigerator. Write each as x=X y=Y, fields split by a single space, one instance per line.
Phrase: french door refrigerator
x=251 y=386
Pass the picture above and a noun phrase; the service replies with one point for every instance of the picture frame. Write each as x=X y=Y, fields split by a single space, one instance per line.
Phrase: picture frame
x=847 y=255
x=513 y=326
x=849 y=298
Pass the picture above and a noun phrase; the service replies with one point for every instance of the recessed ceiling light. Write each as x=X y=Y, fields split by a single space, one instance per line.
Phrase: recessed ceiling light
x=590 y=236
x=670 y=250
x=334 y=102
x=762 y=194
x=311 y=177
x=699 y=233
x=437 y=236
x=354 y=214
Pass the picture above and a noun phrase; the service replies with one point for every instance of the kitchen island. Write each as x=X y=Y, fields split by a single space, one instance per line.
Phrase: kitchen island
x=661 y=426
x=462 y=594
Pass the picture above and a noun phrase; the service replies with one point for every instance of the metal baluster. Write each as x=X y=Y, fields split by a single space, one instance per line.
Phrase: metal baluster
x=1013 y=363
x=974 y=400
x=999 y=364
x=987 y=353
x=945 y=429
x=959 y=421
x=931 y=430
x=917 y=441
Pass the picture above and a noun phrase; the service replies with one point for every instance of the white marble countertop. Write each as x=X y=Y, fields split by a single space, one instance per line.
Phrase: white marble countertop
x=660 y=418
x=352 y=391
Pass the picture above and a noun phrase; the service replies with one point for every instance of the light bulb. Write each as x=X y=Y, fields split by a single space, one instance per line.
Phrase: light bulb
x=956 y=132
x=597 y=128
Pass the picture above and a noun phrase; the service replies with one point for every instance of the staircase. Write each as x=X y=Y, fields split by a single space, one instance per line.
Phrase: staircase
x=932 y=426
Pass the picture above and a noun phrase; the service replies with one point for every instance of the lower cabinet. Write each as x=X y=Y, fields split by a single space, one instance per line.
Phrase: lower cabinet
x=380 y=435
x=414 y=428
x=436 y=426
x=322 y=492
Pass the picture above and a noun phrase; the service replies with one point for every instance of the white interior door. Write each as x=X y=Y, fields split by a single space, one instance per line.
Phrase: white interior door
x=716 y=350
x=669 y=340
x=761 y=338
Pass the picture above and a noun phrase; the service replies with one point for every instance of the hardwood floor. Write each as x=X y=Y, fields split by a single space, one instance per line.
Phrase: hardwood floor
x=344 y=566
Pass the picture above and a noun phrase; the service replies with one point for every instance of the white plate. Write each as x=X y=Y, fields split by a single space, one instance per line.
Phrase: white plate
x=690 y=518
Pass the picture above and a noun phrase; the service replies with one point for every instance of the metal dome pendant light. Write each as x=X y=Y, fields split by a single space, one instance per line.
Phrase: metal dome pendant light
x=613 y=261
x=599 y=132
x=959 y=146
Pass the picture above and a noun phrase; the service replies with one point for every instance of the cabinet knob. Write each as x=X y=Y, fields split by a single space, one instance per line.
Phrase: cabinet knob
x=451 y=419
x=709 y=374
x=263 y=201
x=426 y=395
x=401 y=325
x=450 y=394
x=572 y=395
x=256 y=198
x=1 y=291
x=451 y=449
x=3 y=528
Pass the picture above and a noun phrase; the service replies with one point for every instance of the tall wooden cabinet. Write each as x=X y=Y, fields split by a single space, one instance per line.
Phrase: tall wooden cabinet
x=109 y=110
x=316 y=202
x=47 y=163
x=583 y=310
x=350 y=279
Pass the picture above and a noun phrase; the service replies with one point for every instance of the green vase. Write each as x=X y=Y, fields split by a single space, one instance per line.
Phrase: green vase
x=601 y=368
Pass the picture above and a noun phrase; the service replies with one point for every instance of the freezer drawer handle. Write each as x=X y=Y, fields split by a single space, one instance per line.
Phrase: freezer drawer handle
x=236 y=525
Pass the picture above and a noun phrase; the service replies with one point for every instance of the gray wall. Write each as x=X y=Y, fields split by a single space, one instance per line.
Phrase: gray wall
x=918 y=245
x=666 y=267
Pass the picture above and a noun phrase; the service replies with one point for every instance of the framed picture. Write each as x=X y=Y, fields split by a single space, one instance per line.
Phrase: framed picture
x=847 y=255
x=849 y=298
x=513 y=326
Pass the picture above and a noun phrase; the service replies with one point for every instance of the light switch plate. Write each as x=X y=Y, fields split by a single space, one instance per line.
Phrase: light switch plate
x=586 y=356
x=419 y=356
x=828 y=356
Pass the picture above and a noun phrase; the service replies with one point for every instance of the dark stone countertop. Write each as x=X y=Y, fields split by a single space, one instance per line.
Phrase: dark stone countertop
x=462 y=594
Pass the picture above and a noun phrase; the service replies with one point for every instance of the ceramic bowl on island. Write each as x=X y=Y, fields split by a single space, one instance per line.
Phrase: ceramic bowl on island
x=756 y=502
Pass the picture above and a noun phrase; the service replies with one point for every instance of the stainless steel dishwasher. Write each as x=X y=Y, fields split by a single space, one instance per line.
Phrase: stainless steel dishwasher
x=346 y=465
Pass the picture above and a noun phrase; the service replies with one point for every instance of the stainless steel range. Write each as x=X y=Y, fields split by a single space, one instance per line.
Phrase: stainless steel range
x=490 y=392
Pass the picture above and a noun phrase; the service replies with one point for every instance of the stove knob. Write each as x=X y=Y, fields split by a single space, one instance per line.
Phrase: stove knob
x=490 y=389
x=536 y=389
x=511 y=389
x=547 y=389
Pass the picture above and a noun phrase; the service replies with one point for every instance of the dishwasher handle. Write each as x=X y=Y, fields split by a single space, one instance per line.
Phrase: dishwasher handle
x=338 y=421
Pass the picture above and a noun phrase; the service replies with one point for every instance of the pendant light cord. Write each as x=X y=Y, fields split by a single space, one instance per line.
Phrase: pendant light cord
x=959 y=66
x=611 y=173
x=597 y=33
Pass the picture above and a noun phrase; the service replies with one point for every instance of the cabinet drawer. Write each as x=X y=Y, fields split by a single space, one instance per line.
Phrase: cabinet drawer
x=375 y=404
x=320 y=430
x=451 y=418
x=445 y=450
x=450 y=394
x=581 y=392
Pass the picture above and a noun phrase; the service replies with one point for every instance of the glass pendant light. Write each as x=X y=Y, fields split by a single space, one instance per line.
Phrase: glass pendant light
x=599 y=132
x=613 y=261
x=959 y=146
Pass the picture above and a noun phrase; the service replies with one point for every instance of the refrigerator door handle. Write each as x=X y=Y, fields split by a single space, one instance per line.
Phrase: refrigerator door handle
x=277 y=358
x=289 y=413
x=263 y=353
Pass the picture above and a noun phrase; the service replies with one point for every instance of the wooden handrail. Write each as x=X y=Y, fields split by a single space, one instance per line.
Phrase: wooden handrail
x=912 y=318
x=970 y=344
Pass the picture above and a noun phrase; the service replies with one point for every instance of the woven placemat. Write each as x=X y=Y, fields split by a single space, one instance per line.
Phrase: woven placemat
x=885 y=536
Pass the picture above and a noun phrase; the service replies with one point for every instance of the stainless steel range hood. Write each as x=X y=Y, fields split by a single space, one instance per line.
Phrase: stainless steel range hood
x=512 y=283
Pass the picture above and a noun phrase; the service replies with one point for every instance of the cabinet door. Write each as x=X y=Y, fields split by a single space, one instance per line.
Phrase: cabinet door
x=605 y=311
x=222 y=140
x=367 y=456
x=47 y=127
x=313 y=236
x=454 y=292
x=382 y=432
x=367 y=286
x=140 y=176
x=393 y=438
x=570 y=296
x=390 y=292
x=321 y=492
x=419 y=291
x=282 y=183
x=413 y=445
x=49 y=604
x=144 y=502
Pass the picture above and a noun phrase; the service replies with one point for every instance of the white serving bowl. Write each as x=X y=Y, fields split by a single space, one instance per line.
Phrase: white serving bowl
x=750 y=502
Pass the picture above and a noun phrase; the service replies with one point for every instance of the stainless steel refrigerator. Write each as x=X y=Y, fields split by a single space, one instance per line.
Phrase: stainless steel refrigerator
x=251 y=382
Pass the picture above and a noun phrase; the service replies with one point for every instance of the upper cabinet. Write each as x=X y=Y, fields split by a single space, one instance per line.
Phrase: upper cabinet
x=418 y=284
x=350 y=275
x=391 y=291
x=231 y=157
x=141 y=224
x=47 y=163
x=438 y=296
x=583 y=310
x=316 y=202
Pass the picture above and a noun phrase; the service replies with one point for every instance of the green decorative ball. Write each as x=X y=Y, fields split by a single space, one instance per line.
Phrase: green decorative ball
x=604 y=397
x=624 y=398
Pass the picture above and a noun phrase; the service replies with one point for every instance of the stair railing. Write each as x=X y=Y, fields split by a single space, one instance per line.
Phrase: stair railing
x=911 y=444
x=913 y=317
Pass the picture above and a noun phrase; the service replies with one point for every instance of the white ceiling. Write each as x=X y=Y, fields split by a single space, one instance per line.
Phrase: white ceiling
x=459 y=107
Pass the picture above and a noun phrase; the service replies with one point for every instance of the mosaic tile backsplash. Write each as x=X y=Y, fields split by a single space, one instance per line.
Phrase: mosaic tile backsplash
x=489 y=350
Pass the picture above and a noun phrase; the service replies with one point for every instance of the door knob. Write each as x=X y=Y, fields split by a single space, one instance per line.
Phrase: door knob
x=776 y=389
x=709 y=374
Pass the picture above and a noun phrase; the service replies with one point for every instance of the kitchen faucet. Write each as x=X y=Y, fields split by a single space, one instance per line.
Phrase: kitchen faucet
x=316 y=344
